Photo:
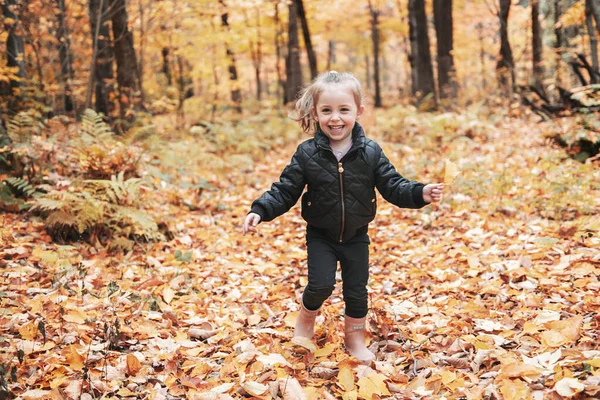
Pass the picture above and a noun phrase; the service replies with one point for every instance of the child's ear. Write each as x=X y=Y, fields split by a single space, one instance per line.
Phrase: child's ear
x=314 y=114
x=360 y=110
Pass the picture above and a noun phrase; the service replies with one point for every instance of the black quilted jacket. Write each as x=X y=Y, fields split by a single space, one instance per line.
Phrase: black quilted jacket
x=340 y=198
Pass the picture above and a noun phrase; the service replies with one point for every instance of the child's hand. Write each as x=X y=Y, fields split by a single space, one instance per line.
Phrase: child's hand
x=251 y=221
x=433 y=192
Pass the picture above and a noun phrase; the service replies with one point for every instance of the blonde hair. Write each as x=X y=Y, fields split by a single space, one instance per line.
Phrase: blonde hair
x=309 y=96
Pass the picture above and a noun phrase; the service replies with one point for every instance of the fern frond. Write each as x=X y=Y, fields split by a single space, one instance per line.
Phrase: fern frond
x=20 y=186
x=60 y=218
x=49 y=204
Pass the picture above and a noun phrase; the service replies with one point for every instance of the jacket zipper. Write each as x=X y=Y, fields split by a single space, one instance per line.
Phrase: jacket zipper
x=341 y=171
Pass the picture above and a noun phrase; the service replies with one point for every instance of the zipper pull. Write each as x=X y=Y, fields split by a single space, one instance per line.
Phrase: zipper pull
x=340 y=168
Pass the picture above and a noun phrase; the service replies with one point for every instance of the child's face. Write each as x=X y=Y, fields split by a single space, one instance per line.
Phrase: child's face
x=336 y=112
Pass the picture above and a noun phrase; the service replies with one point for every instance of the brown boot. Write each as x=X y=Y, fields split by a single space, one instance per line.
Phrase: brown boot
x=355 y=339
x=305 y=324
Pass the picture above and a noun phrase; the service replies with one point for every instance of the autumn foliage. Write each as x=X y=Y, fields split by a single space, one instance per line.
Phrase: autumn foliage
x=491 y=294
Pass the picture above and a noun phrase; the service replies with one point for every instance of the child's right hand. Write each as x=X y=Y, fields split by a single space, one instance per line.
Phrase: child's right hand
x=251 y=221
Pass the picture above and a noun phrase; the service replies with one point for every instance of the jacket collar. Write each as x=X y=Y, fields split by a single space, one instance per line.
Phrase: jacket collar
x=358 y=137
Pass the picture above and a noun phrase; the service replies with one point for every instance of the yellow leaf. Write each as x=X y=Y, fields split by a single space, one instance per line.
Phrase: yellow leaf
x=254 y=388
x=518 y=370
x=594 y=362
x=75 y=360
x=29 y=331
x=75 y=316
x=515 y=390
x=346 y=376
x=351 y=395
x=372 y=384
x=450 y=172
x=448 y=376
x=304 y=342
x=325 y=350
x=530 y=328
x=168 y=294
x=133 y=364
x=254 y=319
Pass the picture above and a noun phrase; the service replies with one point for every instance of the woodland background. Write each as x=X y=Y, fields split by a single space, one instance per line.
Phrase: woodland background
x=135 y=134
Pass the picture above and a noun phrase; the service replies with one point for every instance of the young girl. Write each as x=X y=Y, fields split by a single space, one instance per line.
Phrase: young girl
x=341 y=168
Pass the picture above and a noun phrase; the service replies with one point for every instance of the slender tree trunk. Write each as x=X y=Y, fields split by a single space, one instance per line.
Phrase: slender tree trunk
x=368 y=72
x=293 y=68
x=126 y=59
x=483 y=72
x=442 y=12
x=236 y=93
x=376 y=45
x=256 y=52
x=595 y=10
x=142 y=51
x=330 y=54
x=593 y=41
x=281 y=85
x=166 y=68
x=505 y=65
x=101 y=69
x=15 y=53
x=422 y=68
x=536 y=45
x=312 y=58
x=65 y=56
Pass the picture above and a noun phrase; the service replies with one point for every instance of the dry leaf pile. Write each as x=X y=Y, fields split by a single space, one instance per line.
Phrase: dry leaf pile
x=491 y=294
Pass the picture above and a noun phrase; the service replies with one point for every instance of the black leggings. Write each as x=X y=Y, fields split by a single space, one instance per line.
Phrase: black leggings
x=323 y=255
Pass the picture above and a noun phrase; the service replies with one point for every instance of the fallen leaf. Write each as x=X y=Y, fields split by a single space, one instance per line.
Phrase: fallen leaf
x=373 y=384
x=290 y=389
x=450 y=172
x=568 y=387
x=133 y=364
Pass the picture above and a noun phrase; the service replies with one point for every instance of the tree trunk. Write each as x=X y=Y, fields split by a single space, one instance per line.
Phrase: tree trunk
x=312 y=58
x=166 y=67
x=293 y=68
x=330 y=54
x=593 y=41
x=442 y=12
x=422 y=69
x=281 y=85
x=15 y=53
x=256 y=52
x=64 y=52
x=126 y=59
x=505 y=65
x=101 y=69
x=236 y=93
x=595 y=10
x=536 y=45
x=376 y=43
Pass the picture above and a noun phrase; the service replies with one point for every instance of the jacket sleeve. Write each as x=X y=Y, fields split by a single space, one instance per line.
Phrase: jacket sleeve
x=283 y=194
x=394 y=187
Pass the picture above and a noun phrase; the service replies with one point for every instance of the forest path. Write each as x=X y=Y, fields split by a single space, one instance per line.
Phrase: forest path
x=460 y=291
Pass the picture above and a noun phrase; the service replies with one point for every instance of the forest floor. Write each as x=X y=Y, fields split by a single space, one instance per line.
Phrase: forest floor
x=492 y=293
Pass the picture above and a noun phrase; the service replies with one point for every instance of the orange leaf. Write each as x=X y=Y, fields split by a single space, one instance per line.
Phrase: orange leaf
x=133 y=364
x=75 y=360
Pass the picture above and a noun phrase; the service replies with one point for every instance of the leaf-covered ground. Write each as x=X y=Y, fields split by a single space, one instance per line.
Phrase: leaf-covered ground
x=492 y=293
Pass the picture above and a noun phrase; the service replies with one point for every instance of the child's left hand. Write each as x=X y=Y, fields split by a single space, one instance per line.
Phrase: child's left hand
x=433 y=192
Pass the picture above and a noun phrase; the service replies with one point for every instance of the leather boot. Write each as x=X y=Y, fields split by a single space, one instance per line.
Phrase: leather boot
x=355 y=339
x=305 y=324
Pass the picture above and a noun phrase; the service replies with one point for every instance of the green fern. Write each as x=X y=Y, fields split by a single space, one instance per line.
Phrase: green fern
x=23 y=126
x=117 y=190
x=20 y=186
x=93 y=128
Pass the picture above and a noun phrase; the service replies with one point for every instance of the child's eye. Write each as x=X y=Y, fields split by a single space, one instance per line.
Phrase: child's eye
x=325 y=110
